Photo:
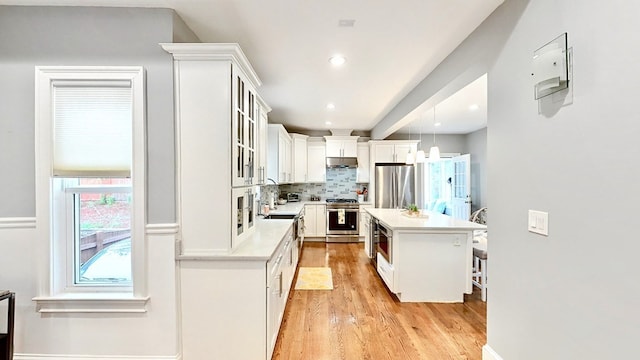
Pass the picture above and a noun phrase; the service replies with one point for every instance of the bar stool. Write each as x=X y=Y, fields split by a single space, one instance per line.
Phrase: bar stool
x=479 y=272
x=479 y=277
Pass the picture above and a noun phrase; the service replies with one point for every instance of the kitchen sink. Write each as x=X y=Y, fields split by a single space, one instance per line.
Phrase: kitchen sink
x=280 y=216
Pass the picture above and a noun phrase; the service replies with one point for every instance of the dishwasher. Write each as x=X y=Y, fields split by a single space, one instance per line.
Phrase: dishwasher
x=374 y=238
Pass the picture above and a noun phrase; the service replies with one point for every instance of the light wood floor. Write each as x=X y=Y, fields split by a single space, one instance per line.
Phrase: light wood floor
x=361 y=319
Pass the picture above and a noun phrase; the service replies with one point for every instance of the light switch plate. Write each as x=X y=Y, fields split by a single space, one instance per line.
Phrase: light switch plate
x=538 y=222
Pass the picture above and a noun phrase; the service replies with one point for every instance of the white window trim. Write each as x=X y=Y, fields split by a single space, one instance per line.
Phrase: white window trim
x=52 y=296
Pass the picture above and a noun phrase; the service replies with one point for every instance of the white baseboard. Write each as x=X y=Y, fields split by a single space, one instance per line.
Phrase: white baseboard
x=91 y=357
x=489 y=354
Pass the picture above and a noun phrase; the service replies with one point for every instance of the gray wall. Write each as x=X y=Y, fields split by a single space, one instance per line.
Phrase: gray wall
x=31 y=36
x=446 y=143
x=476 y=145
x=573 y=294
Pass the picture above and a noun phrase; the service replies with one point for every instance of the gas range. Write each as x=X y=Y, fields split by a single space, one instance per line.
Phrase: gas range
x=340 y=203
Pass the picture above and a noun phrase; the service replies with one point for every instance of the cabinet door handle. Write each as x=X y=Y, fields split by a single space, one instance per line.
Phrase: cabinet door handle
x=280 y=281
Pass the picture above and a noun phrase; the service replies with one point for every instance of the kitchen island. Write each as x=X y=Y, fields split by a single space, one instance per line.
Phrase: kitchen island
x=429 y=257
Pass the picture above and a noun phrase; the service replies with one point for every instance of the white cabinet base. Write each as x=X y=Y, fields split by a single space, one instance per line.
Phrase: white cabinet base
x=431 y=267
x=386 y=272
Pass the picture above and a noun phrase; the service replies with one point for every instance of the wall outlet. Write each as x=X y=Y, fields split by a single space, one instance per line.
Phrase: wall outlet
x=538 y=222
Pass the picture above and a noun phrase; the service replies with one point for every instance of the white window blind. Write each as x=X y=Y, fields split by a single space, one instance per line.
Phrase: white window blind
x=92 y=128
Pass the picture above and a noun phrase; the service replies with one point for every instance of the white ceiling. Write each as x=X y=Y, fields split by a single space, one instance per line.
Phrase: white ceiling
x=390 y=49
x=455 y=114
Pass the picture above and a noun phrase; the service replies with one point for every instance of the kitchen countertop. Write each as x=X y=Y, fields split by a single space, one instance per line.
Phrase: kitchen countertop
x=289 y=208
x=394 y=219
x=261 y=244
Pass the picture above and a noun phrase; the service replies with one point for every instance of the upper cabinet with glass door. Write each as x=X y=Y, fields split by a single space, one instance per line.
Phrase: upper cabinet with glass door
x=217 y=114
x=245 y=130
x=262 y=109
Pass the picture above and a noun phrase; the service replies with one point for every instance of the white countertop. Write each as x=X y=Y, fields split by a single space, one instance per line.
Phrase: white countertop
x=394 y=219
x=260 y=245
x=289 y=208
x=264 y=241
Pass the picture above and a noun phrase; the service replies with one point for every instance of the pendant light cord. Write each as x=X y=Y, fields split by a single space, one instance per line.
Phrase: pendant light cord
x=434 y=126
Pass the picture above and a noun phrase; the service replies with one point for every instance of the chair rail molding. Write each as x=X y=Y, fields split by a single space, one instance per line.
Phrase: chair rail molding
x=18 y=223
x=162 y=229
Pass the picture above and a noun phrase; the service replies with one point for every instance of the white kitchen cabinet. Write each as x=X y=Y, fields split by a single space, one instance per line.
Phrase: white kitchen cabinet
x=299 y=158
x=279 y=155
x=315 y=220
x=316 y=161
x=274 y=304
x=342 y=146
x=244 y=130
x=402 y=150
x=215 y=86
x=364 y=219
x=235 y=301
x=262 y=110
x=365 y=230
x=281 y=270
x=363 y=163
x=244 y=206
x=392 y=151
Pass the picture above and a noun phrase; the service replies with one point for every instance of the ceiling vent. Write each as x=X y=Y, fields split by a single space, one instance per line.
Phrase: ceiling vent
x=346 y=22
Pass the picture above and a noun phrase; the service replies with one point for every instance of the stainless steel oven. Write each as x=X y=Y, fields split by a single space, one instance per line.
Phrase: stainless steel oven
x=342 y=220
x=385 y=243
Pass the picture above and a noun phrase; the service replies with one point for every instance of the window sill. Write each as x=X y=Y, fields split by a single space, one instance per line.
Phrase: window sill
x=91 y=303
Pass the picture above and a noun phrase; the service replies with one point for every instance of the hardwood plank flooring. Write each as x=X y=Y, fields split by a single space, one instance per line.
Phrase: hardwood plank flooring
x=361 y=319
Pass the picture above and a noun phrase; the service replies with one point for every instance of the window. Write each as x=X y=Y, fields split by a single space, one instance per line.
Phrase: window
x=98 y=225
x=90 y=195
x=439 y=175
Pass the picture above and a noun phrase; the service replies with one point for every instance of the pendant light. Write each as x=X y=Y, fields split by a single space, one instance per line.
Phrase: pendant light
x=410 y=158
x=434 y=152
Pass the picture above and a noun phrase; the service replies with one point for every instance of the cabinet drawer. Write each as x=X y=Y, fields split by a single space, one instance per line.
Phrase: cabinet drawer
x=386 y=272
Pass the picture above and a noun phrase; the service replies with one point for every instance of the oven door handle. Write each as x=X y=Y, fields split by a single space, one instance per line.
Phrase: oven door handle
x=345 y=210
x=386 y=234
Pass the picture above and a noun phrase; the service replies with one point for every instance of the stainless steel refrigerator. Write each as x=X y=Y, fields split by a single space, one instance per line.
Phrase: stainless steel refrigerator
x=395 y=186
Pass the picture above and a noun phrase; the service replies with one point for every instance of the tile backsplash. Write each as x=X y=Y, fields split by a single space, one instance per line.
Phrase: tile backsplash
x=341 y=183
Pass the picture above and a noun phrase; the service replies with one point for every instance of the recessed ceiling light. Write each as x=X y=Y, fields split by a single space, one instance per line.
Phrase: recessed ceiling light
x=327 y=122
x=330 y=106
x=437 y=124
x=474 y=107
x=337 y=60
x=346 y=22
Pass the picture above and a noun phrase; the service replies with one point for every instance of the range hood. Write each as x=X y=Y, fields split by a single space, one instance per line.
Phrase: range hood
x=342 y=162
